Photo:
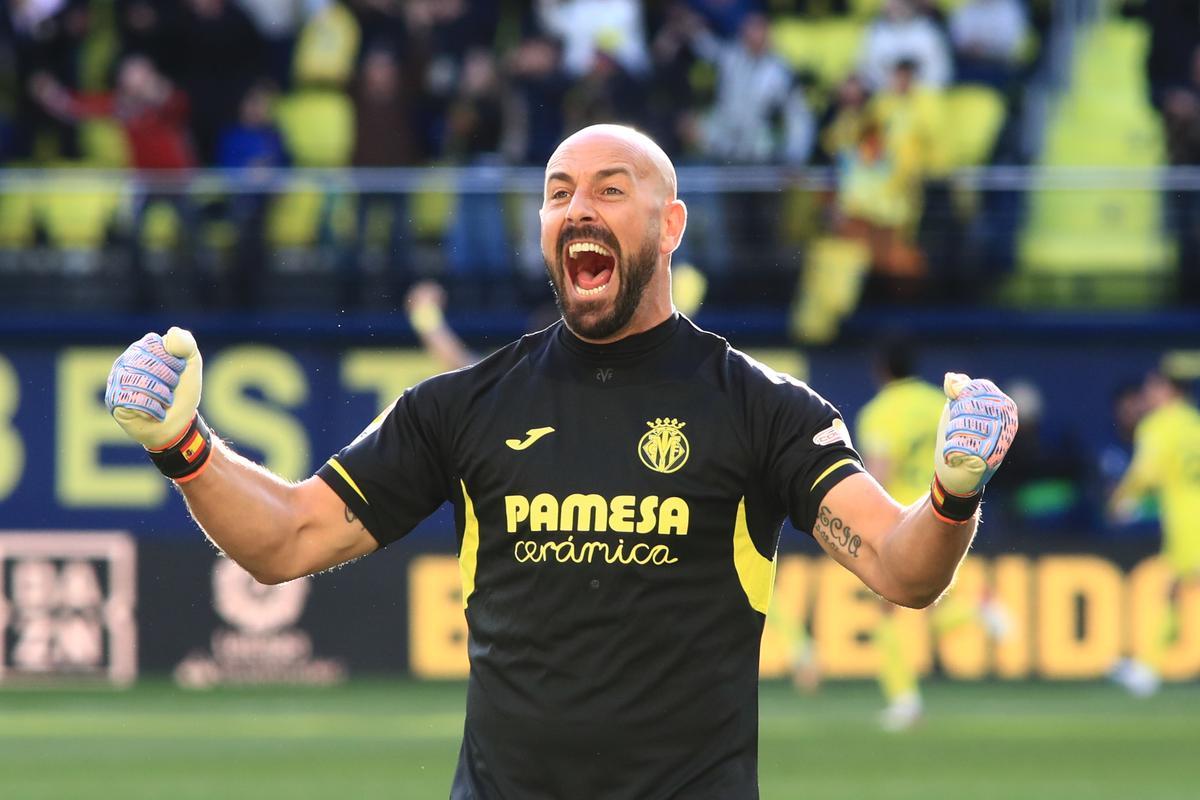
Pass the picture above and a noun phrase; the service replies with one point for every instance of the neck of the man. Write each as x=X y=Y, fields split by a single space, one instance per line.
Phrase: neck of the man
x=643 y=320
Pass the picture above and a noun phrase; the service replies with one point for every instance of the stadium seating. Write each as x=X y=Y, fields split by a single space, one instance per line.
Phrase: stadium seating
x=828 y=49
x=79 y=216
x=1103 y=119
x=976 y=114
x=16 y=219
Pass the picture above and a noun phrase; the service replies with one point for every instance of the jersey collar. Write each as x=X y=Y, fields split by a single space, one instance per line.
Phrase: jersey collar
x=630 y=347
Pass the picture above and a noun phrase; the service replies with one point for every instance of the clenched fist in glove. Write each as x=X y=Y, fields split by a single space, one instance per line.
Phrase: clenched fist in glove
x=153 y=392
x=977 y=427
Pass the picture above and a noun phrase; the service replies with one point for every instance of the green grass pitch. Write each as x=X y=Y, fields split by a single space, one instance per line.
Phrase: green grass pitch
x=398 y=739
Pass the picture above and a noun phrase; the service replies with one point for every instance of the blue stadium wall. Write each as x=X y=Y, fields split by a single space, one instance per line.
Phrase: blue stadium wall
x=291 y=393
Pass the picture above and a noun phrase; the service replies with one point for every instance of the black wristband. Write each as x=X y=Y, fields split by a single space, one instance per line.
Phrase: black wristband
x=184 y=459
x=953 y=508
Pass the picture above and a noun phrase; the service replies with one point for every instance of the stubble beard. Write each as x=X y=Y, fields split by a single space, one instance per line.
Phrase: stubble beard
x=636 y=274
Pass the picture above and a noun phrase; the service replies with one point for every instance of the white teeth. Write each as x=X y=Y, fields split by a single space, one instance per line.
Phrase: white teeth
x=594 y=290
x=575 y=248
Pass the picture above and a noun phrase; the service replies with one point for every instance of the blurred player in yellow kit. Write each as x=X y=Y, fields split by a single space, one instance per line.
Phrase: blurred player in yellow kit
x=895 y=432
x=1166 y=463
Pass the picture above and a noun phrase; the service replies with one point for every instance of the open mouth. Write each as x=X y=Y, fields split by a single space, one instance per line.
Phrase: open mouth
x=589 y=267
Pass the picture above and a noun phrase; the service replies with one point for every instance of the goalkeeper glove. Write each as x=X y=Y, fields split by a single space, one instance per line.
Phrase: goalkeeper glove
x=977 y=427
x=153 y=392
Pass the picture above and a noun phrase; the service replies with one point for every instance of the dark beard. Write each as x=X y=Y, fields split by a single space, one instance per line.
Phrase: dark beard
x=635 y=275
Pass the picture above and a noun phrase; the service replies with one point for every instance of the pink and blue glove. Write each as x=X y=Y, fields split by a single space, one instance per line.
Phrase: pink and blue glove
x=153 y=392
x=978 y=425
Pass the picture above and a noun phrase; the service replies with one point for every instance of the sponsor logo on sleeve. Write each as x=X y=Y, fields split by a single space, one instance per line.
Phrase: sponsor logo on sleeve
x=836 y=433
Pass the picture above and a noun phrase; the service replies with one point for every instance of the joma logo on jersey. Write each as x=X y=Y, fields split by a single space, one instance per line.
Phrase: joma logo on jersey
x=664 y=448
x=583 y=513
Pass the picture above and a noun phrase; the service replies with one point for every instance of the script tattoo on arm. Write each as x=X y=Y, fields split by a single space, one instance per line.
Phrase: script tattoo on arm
x=836 y=533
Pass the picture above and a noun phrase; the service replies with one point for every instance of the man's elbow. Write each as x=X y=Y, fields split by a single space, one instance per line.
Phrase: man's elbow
x=917 y=598
x=270 y=571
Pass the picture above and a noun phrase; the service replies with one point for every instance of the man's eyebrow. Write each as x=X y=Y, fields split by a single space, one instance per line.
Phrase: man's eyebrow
x=608 y=172
x=559 y=176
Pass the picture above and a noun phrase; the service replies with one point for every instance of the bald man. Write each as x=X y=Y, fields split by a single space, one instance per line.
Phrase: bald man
x=619 y=482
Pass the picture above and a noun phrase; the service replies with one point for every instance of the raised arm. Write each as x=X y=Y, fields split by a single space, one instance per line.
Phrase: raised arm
x=276 y=530
x=909 y=555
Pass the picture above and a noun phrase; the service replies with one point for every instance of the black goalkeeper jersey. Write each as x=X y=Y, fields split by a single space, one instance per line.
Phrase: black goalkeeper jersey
x=618 y=511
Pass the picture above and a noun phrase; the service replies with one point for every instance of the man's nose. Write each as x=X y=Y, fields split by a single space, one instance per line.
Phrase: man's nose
x=580 y=208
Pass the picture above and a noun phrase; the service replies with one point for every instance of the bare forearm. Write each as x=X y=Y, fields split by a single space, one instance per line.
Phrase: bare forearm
x=921 y=554
x=245 y=510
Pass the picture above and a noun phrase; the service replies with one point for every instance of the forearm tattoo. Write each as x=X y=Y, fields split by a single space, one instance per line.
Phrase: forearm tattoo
x=836 y=533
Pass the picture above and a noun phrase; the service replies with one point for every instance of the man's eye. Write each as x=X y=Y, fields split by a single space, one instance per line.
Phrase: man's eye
x=612 y=190
x=558 y=194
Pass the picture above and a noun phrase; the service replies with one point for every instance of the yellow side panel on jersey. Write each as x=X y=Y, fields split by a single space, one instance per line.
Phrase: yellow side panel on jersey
x=340 y=470
x=469 y=552
x=756 y=573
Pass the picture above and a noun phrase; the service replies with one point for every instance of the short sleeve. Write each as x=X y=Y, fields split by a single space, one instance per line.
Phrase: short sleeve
x=396 y=473
x=803 y=440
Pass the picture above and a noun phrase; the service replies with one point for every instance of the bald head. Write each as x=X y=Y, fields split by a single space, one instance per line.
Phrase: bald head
x=642 y=152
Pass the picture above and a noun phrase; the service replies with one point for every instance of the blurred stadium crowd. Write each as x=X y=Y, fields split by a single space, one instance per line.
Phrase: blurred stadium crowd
x=890 y=97
x=825 y=137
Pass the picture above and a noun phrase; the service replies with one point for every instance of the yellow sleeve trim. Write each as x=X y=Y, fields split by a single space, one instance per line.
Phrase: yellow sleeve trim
x=340 y=470
x=755 y=572
x=831 y=468
x=469 y=553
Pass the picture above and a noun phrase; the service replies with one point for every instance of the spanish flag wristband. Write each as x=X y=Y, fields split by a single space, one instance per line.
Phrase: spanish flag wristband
x=951 y=508
x=184 y=458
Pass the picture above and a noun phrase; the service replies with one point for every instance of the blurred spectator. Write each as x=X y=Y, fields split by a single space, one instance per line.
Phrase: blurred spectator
x=988 y=36
x=150 y=28
x=445 y=32
x=759 y=113
x=153 y=112
x=874 y=206
x=478 y=236
x=1174 y=35
x=327 y=49
x=253 y=142
x=586 y=26
x=913 y=116
x=1181 y=121
x=842 y=123
x=47 y=36
x=387 y=102
x=881 y=176
x=605 y=93
x=219 y=57
x=278 y=23
x=387 y=105
x=901 y=32
x=540 y=85
x=671 y=98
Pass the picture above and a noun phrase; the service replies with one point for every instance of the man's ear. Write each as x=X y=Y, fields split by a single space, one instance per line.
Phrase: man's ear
x=674 y=223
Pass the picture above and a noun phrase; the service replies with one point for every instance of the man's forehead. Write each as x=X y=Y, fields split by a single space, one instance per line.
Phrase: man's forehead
x=575 y=160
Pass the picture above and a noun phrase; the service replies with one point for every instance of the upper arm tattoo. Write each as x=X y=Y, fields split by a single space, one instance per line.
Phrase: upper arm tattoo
x=836 y=533
x=351 y=517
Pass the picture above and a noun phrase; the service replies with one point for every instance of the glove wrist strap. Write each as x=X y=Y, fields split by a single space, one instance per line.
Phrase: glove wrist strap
x=186 y=456
x=951 y=508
